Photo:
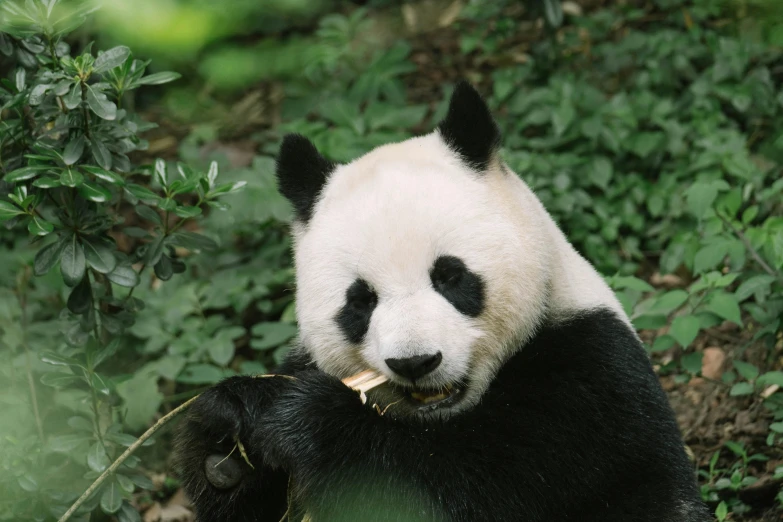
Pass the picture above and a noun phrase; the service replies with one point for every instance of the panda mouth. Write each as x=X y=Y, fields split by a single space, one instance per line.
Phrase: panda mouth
x=434 y=398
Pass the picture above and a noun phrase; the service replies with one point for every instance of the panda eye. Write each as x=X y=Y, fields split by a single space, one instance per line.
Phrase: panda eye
x=458 y=285
x=363 y=301
x=360 y=297
x=354 y=317
x=447 y=271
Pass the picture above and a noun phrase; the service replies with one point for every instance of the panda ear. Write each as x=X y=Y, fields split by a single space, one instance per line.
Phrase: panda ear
x=468 y=128
x=301 y=174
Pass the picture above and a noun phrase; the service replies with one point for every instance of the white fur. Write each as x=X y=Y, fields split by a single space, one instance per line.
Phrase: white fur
x=387 y=216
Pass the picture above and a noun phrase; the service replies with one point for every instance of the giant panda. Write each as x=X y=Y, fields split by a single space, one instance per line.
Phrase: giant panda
x=518 y=389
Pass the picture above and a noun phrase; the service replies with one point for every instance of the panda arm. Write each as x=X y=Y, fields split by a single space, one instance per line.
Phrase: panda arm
x=350 y=463
x=226 y=488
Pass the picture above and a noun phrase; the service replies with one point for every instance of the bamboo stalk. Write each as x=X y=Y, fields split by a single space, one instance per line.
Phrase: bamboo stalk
x=361 y=382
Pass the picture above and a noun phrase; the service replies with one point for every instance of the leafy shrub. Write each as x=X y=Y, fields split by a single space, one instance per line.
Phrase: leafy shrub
x=68 y=178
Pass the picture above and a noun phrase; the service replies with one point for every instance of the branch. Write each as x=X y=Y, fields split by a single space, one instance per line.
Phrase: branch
x=753 y=252
x=361 y=382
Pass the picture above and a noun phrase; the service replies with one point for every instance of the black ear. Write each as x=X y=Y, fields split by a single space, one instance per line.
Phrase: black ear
x=301 y=173
x=468 y=128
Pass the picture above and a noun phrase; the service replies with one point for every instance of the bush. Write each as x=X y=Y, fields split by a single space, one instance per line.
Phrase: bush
x=652 y=133
x=68 y=178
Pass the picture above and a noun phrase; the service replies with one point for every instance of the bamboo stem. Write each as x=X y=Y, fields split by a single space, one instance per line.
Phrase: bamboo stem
x=361 y=382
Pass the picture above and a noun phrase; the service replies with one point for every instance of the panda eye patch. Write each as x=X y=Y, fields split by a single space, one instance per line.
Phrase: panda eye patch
x=354 y=317
x=464 y=289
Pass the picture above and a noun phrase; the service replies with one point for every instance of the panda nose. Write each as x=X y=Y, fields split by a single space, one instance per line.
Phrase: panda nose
x=415 y=367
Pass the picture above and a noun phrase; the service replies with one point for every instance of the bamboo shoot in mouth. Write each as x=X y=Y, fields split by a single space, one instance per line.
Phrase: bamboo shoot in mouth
x=364 y=382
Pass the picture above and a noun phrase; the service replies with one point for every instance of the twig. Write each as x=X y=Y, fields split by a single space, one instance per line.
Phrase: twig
x=22 y=297
x=127 y=453
x=753 y=252
x=366 y=378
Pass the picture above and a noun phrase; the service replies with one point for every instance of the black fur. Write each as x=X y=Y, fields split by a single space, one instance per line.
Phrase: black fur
x=575 y=427
x=469 y=129
x=354 y=316
x=461 y=287
x=301 y=174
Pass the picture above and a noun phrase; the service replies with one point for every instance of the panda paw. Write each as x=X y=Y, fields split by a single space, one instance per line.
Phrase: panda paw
x=308 y=420
x=215 y=444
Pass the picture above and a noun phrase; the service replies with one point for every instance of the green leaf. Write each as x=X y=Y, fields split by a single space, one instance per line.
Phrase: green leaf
x=630 y=282
x=97 y=459
x=8 y=211
x=562 y=117
x=154 y=250
x=272 y=335
x=104 y=175
x=74 y=150
x=709 y=256
x=769 y=378
x=644 y=143
x=158 y=78
x=684 y=329
x=384 y=116
x=601 y=172
x=99 y=257
x=726 y=306
x=722 y=511
x=167 y=204
x=691 y=362
x=39 y=226
x=125 y=483
x=700 y=196
x=47 y=182
x=72 y=262
x=111 y=499
x=100 y=153
x=669 y=301
x=27 y=483
x=68 y=443
x=100 y=105
x=212 y=174
x=94 y=192
x=124 y=275
x=553 y=12
x=193 y=241
x=201 y=374
x=741 y=388
x=49 y=256
x=753 y=285
x=25 y=173
x=110 y=59
x=142 y=399
x=74 y=97
x=164 y=269
x=106 y=352
x=187 y=212
x=21 y=75
x=71 y=177
x=160 y=172
x=141 y=192
x=149 y=214
x=221 y=349
x=747 y=370
x=227 y=188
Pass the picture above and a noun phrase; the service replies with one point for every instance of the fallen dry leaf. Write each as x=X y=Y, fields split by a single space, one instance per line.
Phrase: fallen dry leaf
x=712 y=363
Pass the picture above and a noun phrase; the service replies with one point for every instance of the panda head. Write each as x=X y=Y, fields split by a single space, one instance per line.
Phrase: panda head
x=426 y=260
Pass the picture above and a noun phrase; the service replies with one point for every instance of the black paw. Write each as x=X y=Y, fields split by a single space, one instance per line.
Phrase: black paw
x=306 y=420
x=214 y=444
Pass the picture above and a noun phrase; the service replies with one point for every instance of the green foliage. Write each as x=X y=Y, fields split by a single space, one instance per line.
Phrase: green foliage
x=653 y=135
x=67 y=177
